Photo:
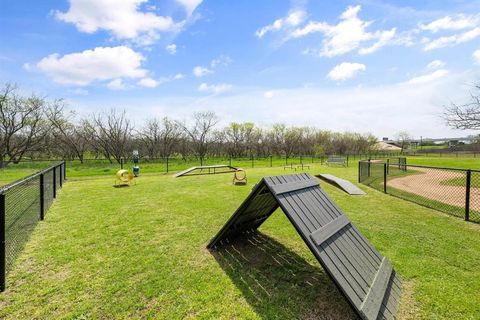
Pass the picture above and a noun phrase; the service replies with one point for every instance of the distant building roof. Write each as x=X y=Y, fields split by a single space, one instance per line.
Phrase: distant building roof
x=386 y=146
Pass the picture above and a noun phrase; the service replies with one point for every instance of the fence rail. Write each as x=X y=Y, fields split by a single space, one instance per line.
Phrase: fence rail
x=450 y=190
x=22 y=204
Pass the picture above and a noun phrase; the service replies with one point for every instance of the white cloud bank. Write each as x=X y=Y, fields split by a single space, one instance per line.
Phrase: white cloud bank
x=293 y=19
x=453 y=40
x=189 y=5
x=214 y=88
x=345 y=70
x=148 y=83
x=123 y=19
x=348 y=35
x=101 y=63
x=428 y=77
x=200 y=71
x=448 y=23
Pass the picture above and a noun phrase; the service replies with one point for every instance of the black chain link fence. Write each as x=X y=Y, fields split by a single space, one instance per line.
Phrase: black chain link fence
x=22 y=204
x=450 y=190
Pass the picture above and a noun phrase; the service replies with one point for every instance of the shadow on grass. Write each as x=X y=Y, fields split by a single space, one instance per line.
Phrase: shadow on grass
x=278 y=283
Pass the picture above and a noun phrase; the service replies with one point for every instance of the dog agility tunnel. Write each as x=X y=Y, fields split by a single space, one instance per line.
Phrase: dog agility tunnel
x=361 y=273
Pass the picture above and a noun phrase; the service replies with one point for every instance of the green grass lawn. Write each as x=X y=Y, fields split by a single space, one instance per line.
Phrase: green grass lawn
x=447 y=162
x=139 y=252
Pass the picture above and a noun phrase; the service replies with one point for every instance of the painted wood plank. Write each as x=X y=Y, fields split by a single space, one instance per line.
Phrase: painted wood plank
x=325 y=232
x=293 y=186
x=343 y=184
x=373 y=300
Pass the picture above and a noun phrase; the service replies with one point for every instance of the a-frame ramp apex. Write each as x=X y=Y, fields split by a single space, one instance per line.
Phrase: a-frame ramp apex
x=363 y=275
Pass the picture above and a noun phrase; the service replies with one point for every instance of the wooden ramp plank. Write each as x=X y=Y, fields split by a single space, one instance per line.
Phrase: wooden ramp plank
x=363 y=276
x=343 y=184
x=220 y=166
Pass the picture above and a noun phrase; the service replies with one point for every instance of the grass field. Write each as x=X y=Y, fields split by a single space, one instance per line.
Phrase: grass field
x=446 y=162
x=139 y=252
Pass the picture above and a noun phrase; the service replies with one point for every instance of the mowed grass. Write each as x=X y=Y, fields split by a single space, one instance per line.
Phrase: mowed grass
x=139 y=252
x=446 y=162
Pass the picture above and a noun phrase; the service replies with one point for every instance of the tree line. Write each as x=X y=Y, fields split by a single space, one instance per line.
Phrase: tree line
x=33 y=127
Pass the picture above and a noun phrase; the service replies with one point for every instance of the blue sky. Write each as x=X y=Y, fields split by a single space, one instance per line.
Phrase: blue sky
x=366 y=66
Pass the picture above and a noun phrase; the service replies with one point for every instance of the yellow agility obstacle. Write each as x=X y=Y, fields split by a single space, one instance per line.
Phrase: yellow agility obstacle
x=123 y=178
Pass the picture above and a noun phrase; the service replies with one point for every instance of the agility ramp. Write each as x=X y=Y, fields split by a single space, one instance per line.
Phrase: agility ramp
x=222 y=168
x=343 y=184
x=363 y=276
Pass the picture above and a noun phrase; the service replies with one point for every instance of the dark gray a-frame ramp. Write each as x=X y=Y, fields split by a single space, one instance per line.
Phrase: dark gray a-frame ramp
x=343 y=184
x=363 y=275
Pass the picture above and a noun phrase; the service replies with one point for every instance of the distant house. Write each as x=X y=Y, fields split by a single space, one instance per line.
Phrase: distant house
x=386 y=146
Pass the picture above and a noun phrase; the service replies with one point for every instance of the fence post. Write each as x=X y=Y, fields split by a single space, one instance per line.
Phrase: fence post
x=388 y=165
x=121 y=163
x=253 y=162
x=60 y=172
x=65 y=169
x=347 y=160
x=467 y=195
x=42 y=197
x=167 y=164
x=54 y=183
x=271 y=164
x=368 y=168
x=359 y=171
x=2 y=243
x=384 y=178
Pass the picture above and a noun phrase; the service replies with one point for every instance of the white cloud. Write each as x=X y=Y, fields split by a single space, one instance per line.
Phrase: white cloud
x=345 y=70
x=214 y=88
x=268 y=94
x=347 y=35
x=148 y=83
x=222 y=61
x=189 y=5
x=384 y=38
x=428 y=77
x=449 y=23
x=102 y=63
x=200 y=71
x=171 y=48
x=476 y=56
x=178 y=76
x=116 y=84
x=123 y=19
x=448 y=41
x=436 y=64
x=293 y=19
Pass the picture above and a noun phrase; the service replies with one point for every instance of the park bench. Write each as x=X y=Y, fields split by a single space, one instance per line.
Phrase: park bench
x=336 y=160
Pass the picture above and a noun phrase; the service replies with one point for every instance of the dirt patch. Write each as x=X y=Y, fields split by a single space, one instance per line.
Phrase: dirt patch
x=429 y=183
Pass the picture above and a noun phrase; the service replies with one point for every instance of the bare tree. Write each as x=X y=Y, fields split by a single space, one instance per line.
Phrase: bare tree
x=465 y=116
x=160 y=136
x=200 y=132
x=22 y=124
x=403 y=139
x=111 y=133
x=69 y=136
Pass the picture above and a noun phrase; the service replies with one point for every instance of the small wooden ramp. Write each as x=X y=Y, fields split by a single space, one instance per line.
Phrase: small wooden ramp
x=208 y=169
x=343 y=184
x=363 y=275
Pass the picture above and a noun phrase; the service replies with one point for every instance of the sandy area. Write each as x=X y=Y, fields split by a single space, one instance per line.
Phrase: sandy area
x=428 y=184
